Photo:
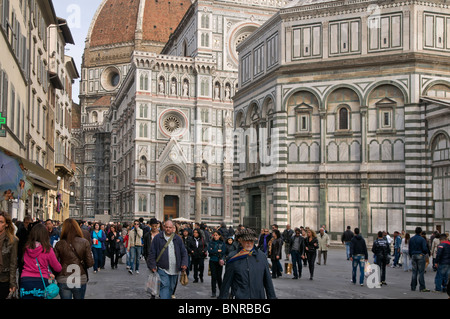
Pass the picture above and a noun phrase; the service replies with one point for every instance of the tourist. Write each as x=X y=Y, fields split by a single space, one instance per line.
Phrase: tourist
x=216 y=252
x=98 y=236
x=160 y=259
x=275 y=255
x=135 y=240
x=113 y=241
x=247 y=272
x=297 y=245
x=359 y=256
x=38 y=257
x=73 y=250
x=324 y=244
x=418 y=249
x=311 y=246
x=442 y=264
x=397 y=249
x=198 y=251
x=53 y=232
x=230 y=246
x=286 y=237
x=8 y=256
x=346 y=238
x=405 y=253
x=435 y=241
x=381 y=250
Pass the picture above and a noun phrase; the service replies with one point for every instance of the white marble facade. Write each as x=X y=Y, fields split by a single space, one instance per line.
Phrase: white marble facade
x=349 y=108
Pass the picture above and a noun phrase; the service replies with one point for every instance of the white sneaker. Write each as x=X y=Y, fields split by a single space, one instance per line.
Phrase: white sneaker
x=137 y=271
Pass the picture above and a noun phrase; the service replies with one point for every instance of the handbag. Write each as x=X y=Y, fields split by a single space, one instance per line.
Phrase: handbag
x=81 y=261
x=184 y=280
x=50 y=291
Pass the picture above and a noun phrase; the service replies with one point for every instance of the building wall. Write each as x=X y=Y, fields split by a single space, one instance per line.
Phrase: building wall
x=368 y=166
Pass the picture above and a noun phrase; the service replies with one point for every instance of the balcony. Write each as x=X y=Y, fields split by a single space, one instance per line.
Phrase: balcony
x=63 y=164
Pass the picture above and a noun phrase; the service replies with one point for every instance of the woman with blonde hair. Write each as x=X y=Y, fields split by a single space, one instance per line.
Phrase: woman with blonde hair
x=8 y=256
x=74 y=253
x=311 y=245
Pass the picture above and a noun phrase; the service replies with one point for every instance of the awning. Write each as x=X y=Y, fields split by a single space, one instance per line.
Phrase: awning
x=35 y=173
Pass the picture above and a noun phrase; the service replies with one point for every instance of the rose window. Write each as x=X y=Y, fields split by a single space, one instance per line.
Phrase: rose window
x=172 y=123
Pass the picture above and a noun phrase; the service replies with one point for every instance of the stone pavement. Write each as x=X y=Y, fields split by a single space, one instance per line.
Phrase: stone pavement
x=332 y=281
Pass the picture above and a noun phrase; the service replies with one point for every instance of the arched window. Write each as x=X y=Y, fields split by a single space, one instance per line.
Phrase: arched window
x=205 y=21
x=94 y=117
x=343 y=118
x=440 y=148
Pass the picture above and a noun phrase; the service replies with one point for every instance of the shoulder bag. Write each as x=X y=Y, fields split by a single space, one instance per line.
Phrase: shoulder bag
x=165 y=246
x=81 y=261
x=52 y=290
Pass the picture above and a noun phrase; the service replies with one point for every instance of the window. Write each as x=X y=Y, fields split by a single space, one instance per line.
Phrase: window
x=143 y=111
x=386 y=119
x=205 y=21
x=143 y=203
x=343 y=119
x=205 y=40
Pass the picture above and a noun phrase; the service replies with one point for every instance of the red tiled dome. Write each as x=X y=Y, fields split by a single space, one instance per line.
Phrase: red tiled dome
x=117 y=21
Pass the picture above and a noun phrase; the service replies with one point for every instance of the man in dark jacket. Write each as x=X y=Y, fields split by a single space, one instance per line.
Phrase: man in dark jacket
x=358 y=256
x=418 y=248
x=381 y=250
x=247 y=271
x=442 y=263
x=297 y=246
x=286 y=237
x=169 y=261
x=346 y=238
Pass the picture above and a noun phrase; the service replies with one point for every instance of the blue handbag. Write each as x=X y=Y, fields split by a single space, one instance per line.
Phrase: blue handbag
x=52 y=290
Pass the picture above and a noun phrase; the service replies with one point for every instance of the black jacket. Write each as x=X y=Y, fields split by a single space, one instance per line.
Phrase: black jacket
x=358 y=247
x=197 y=252
x=381 y=249
x=147 y=244
x=277 y=244
x=312 y=245
x=347 y=236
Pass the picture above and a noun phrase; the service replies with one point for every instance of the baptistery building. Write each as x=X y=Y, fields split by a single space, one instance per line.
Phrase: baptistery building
x=343 y=109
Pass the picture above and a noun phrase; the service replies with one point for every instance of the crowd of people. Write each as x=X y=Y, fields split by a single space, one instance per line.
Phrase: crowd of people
x=36 y=253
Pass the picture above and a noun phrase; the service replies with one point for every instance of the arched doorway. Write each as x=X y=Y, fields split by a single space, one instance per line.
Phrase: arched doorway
x=171 y=207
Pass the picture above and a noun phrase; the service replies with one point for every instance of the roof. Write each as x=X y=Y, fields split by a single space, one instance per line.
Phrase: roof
x=118 y=21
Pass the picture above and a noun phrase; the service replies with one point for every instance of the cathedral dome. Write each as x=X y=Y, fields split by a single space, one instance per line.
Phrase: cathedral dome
x=124 y=21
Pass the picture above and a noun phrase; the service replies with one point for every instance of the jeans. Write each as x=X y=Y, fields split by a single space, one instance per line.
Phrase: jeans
x=418 y=269
x=296 y=260
x=98 y=256
x=275 y=268
x=406 y=261
x=168 y=283
x=71 y=293
x=347 y=249
x=396 y=256
x=441 y=279
x=358 y=260
x=135 y=254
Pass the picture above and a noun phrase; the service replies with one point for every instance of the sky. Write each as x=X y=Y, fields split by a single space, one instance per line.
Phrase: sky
x=79 y=14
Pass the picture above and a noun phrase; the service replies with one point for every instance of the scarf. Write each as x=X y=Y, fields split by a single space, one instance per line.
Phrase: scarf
x=241 y=255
